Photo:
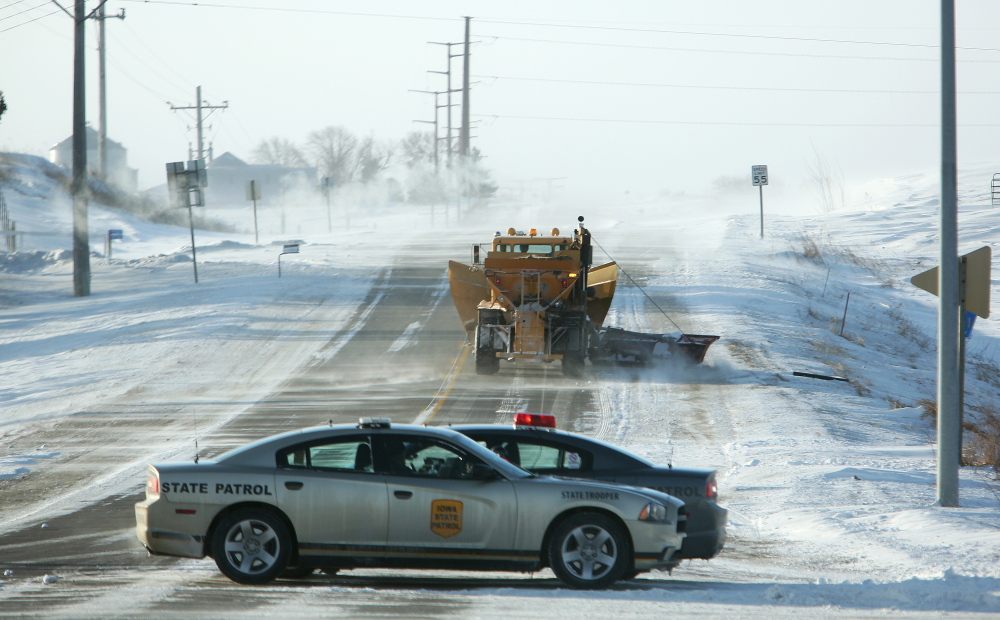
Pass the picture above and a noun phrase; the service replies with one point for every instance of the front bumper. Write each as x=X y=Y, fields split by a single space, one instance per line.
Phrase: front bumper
x=655 y=544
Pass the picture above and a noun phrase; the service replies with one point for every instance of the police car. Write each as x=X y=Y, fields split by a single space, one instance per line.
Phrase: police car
x=534 y=444
x=378 y=494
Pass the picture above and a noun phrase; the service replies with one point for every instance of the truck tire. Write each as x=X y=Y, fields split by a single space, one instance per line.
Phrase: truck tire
x=572 y=365
x=487 y=363
x=589 y=551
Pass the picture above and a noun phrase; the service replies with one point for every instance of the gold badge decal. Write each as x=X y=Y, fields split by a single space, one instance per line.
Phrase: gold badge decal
x=446 y=517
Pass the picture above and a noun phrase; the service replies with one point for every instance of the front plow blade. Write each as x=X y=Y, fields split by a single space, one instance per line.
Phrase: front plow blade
x=619 y=345
x=695 y=345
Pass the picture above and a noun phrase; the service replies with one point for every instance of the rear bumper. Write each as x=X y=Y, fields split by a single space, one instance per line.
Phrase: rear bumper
x=706 y=532
x=162 y=541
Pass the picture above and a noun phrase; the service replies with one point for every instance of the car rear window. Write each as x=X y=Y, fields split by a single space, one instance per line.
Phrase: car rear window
x=345 y=454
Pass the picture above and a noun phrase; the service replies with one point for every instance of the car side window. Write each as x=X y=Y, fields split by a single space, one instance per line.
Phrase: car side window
x=348 y=454
x=536 y=457
x=424 y=457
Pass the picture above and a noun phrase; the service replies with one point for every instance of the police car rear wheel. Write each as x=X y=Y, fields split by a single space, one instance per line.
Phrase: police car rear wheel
x=251 y=546
x=589 y=550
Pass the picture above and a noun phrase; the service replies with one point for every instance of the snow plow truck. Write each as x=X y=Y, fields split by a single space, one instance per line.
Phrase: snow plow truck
x=536 y=297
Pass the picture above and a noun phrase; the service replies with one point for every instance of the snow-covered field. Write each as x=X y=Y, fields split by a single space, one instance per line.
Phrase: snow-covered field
x=830 y=484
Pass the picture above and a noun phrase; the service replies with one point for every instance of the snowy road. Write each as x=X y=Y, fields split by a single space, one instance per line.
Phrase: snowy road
x=829 y=486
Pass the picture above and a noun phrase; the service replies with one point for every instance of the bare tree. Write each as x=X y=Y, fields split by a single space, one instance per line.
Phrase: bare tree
x=417 y=148
x=829 y=183
x=374 y=156
x=279 y=152
x=334 y=150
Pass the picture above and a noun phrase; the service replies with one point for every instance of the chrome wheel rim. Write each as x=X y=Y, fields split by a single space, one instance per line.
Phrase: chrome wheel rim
x=589 y=552
x=252 y=547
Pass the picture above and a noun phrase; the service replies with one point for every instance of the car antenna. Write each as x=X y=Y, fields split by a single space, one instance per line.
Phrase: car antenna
x=194 y=415
x=330 y=422
x=670 y=456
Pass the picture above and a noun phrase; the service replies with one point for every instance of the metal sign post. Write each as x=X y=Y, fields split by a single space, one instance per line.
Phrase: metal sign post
x=759 y=176
x=253 y=193
x=292 y=248
x=973 y=298
x=185 y=188
x=327 y=184
x=112 y=235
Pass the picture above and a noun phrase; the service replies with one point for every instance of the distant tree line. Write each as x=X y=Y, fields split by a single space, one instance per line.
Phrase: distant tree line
x=348 y=159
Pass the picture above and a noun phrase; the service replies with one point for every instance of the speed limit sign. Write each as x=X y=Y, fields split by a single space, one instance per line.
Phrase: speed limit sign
x=759 y=174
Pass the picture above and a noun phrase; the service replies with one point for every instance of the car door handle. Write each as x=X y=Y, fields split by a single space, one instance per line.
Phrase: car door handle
x=403 y=494
x=293 y=486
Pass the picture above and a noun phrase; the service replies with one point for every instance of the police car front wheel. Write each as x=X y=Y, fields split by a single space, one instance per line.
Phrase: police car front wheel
x=251 y=546
x=589 y=550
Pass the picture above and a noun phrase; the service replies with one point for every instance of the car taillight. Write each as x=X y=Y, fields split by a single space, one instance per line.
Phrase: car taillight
x=153 y=484
x=711 y=490
x=544 y=420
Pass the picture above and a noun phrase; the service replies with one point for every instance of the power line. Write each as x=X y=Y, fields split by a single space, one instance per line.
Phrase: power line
x=189 y=3
x=721 y=123
x=28 y=10
x=277 y=9
x=933 y=59
x=731 y=35
x=121 y=69
x=712 y=51
x=698 y=86
x=183 y=85
x=30 y=21
x=4 y=8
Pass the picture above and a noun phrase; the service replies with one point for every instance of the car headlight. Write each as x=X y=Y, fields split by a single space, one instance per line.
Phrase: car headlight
x=654 y=512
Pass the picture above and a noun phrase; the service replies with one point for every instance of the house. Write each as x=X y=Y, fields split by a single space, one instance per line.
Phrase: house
x=229 y=176
x=119 y=173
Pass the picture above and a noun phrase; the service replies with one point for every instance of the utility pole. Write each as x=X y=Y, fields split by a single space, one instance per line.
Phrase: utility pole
x=78 y=186
x=81 y=241
x=198 y=107
x=434 y=122
x=102 y=131
x=463 y=136
x=949 y=397
x=449 y=91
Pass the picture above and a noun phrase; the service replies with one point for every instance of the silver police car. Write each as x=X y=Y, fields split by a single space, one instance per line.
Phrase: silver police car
x=378 y=494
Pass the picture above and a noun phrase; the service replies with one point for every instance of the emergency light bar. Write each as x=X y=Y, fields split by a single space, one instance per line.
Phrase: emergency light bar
x=543 y=420
x=374 y=423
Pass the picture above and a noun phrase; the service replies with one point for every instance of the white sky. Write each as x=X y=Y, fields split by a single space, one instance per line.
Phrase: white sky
x=676 y=94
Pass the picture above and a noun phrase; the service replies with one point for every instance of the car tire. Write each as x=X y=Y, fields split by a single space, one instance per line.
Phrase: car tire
x=252 y=546
x=589 y=551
